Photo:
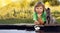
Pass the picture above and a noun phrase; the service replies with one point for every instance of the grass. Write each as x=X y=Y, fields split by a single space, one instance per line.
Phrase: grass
x=18 y=21
x=58 y=20
x=15 y=21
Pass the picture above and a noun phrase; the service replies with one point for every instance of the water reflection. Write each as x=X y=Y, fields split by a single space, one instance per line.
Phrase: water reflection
x=16 y=31
x=24 y=31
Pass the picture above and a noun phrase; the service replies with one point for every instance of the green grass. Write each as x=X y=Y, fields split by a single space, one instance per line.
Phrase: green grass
x=15 y=21
x=58 y=20
x=18 y=21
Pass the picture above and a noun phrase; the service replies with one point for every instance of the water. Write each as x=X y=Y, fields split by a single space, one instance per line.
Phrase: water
x=23 y=31
x=16 y=31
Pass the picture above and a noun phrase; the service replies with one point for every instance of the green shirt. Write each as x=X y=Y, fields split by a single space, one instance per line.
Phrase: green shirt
x=43 y=16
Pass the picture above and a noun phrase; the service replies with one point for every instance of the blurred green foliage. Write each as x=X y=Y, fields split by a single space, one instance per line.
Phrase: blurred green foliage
x=53 y=2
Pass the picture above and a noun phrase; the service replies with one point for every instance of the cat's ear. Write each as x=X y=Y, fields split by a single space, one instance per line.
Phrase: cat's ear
x=47 y=9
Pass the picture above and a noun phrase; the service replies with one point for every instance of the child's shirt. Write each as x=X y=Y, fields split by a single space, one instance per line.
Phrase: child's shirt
x=43 y=16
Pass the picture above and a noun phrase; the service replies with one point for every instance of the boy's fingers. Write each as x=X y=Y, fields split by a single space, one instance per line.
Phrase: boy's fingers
x=37 y=23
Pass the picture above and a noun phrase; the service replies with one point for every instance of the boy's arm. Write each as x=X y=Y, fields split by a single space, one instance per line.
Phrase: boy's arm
x=40 y=20
x=44 y=19
x=34 y=16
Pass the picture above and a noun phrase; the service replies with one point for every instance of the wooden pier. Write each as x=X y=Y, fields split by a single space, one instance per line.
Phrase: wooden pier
x=47 y=27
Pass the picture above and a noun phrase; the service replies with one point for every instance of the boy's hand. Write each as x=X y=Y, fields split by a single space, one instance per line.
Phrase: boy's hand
x=36 y=23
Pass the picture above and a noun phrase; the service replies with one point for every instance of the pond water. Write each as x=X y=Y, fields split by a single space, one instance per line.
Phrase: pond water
x=23 y=31
x=16 y=31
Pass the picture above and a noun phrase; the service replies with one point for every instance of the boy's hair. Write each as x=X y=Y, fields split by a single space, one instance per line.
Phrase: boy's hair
x=39 y=4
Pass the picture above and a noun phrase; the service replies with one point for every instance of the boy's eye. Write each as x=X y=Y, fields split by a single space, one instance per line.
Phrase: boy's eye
x=37 y=8
x=40 y=8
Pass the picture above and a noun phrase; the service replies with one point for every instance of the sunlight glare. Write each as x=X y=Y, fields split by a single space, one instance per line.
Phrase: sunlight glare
x=3 y=3
x=14 y=0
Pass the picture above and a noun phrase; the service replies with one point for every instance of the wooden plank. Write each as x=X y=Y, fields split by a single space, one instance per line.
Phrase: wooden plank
x=52 y=25
x=39 y=25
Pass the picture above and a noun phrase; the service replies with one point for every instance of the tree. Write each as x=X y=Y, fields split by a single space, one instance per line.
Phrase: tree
x=33 y=2
x=52 y=2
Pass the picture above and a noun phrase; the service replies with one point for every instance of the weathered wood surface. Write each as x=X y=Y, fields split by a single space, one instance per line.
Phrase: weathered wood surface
x=28 y=25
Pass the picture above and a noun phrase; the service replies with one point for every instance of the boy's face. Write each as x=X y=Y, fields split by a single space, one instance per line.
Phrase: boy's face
x=39 y=9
